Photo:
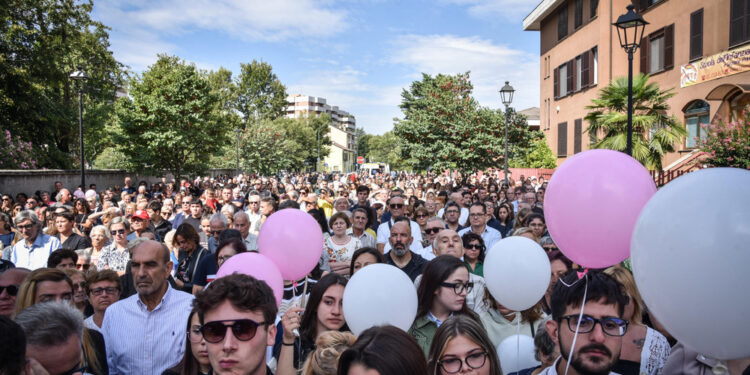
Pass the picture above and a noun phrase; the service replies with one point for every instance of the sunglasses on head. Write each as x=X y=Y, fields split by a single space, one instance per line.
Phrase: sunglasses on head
x=242 y=329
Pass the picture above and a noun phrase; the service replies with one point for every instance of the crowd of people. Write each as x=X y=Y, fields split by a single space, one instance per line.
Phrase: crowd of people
x=122 y=280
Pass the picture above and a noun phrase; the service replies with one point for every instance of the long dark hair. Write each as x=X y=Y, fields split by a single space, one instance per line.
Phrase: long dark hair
x=365 y=250
x=509 y=208
x=386 y=349
x=309 y=325
x=470 y=236
x=189 y=364
x=436 y=272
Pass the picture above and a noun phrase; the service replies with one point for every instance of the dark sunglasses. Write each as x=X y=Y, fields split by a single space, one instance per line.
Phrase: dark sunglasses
x=475 y=246
x=243 y=330
x=396 y=205
x=116 y=232
x=12 y=289
x=432 y=230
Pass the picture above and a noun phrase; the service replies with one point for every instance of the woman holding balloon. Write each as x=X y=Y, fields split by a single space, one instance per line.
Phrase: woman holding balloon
x=441 y=294
x=297 y=334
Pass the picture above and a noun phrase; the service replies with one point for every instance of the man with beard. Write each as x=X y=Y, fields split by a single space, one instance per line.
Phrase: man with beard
x=400 y=256
x=145 y=333
x=600 y=328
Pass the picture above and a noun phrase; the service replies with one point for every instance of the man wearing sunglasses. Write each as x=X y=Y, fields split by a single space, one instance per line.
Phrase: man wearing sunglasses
x=600 y=328
x=10 y=281
x=237 y=327
x=396 y=206
x=145 y=332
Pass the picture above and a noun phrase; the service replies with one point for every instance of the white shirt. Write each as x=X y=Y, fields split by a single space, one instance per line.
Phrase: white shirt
x=146 y=342
x=89 y=323
x=34 y=256
x=490 y=236
x=384 y=233
x=251 y=242
x=461 y=219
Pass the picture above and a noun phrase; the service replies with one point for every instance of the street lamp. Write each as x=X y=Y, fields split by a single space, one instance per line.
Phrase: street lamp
x=506 y=95
x=237 y=131
x=630 y=27
x=81 y=76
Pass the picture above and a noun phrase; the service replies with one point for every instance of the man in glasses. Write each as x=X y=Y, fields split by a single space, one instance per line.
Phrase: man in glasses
x=600 y=329
x=10 y=281
x=145 y=333
x=54 y=332
x=35 y=247
x=253 y=208
x=478 y=225
x=432 y=228
x=396 y=205
x=237 y=327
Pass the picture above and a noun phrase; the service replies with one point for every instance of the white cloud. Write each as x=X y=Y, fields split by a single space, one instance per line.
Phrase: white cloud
x=491 y=9
x=490 y=65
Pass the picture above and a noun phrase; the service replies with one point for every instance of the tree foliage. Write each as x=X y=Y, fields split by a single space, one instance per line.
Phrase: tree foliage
x=538 y=156
x=654 y=132
x=41 y=43
x=444 y=127
x=728 y=143
x=172 y=121
x=259 y=92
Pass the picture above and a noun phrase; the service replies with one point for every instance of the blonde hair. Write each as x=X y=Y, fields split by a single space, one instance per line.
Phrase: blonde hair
x=329 y=346
x=625 y=278
x=525 y=230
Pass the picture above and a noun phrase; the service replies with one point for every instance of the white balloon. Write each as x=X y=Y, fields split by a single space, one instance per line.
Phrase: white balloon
x=379 y=294
x=690 y=252
x=517 y=272
x=512 y=359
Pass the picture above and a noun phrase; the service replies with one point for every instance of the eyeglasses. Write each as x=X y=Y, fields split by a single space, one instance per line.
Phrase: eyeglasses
x=475 y=215
x=419 y=216
x=458 y=288
x=109 y=290
x=194 y=335
x=453 y=365
x=550 y=248
x=6 y=199
x=12 y=290
x=25 y=227
x=253 y=202
x=432 y=230
x=474 y=246
x=396 y=205
x=243 y=330
x=610 y=325
x=116 y=232
x=83 y=368
x=79 y=286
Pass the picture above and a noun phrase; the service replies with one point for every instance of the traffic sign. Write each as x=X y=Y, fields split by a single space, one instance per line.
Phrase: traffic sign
x=360 y=159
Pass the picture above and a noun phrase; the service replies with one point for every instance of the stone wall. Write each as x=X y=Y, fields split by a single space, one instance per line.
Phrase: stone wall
x=28 y=181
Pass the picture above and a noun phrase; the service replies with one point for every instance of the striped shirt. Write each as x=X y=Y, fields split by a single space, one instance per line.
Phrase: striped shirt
x=146 y=342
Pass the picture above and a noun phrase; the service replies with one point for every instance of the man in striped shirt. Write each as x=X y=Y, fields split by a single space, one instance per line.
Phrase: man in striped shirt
x=145 y=333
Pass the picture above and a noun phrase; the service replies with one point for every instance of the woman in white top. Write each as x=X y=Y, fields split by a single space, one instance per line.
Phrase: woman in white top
x=100 y=237
x=644 y=350
x=338 y=249
x=501 y=322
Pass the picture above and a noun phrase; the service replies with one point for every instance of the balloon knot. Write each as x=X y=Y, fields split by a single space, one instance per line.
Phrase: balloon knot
x=583 y=273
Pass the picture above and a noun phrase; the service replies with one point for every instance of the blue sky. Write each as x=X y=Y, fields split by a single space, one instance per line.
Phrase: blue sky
x=358 y=54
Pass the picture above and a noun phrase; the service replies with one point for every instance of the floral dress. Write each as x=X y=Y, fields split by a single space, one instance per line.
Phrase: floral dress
x=113 y=258
x=333 y=252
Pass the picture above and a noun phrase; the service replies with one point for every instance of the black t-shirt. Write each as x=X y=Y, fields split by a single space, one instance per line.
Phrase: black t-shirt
x=415 y=266
x=75 y=242
x=196 y=223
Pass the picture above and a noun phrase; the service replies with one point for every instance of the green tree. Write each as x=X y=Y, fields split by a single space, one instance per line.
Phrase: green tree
x=265 y=148
x=172 y=121
x=538 y=156
x=445 y=128
x=654 y=132
x=363 y=139
x=41 y=43
x=309 y=135
x=259 y=93
x=386 y=148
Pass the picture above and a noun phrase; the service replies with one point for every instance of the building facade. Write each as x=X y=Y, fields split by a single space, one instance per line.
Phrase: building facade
x=343 y=156
x=699 y=48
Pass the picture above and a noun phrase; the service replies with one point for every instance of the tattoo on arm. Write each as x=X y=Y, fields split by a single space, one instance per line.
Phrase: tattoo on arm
x=639 y=343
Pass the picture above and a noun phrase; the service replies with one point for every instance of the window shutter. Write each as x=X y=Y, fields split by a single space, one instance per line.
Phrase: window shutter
x=644 y=55
x=578 y=20
x=642 y=5
x=585 y=67
x=562 y=139
x=593 y=4
x=557 y=83
x=592 y=53
x=577 y=132
x=562 y=22
x=696 y=34
x=669 y=47
x=571 y=73
x=737 y=22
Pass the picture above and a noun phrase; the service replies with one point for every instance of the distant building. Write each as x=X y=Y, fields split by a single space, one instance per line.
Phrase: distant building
x=532 y=117
x=699 y=48
x=343 y=150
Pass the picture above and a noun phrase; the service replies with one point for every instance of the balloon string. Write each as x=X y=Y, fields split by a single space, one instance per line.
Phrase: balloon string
x=518 y=342
x=578 y=324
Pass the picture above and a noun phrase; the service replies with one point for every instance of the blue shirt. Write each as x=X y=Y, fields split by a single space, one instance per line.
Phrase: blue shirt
x=34 y=256
x=146 y=342
x=490 y=236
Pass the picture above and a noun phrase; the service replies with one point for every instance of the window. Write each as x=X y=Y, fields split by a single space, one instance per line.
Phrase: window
x=657 y=51
x=562 y=22
x=577 y=133
x=579 y=73
x=739 y=22
x=562 y=84
x=578 y=20
x=696 y=34
x=562 y=139
x=595 y=63
x=593 y=4
x=576 y=74
x=645 y=4
x=696 y=115
x=547 y=113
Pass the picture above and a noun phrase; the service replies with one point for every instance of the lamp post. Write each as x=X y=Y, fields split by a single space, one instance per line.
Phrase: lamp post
x=81 y=76
x=237 y=132
x=630 y=27
x=506 y=95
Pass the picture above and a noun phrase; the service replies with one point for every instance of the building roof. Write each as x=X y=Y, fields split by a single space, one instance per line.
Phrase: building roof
x=531 y=113
x=533 y=22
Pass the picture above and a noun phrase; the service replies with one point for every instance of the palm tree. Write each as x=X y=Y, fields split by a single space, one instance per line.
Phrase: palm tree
x=654 y=132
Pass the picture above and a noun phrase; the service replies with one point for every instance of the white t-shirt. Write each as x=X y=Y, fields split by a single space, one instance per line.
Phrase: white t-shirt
x=384 y=232
x=461 y=219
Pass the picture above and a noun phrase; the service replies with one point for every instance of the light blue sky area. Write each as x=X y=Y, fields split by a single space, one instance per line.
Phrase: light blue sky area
x=357 y=54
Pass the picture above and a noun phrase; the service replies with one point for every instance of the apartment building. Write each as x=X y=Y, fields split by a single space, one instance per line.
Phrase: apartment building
x=343 y=155
x=699 y=48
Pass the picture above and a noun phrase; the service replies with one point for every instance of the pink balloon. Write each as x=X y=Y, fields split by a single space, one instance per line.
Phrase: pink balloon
x=592 y=203
x=292 y=239
x=257 y=266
